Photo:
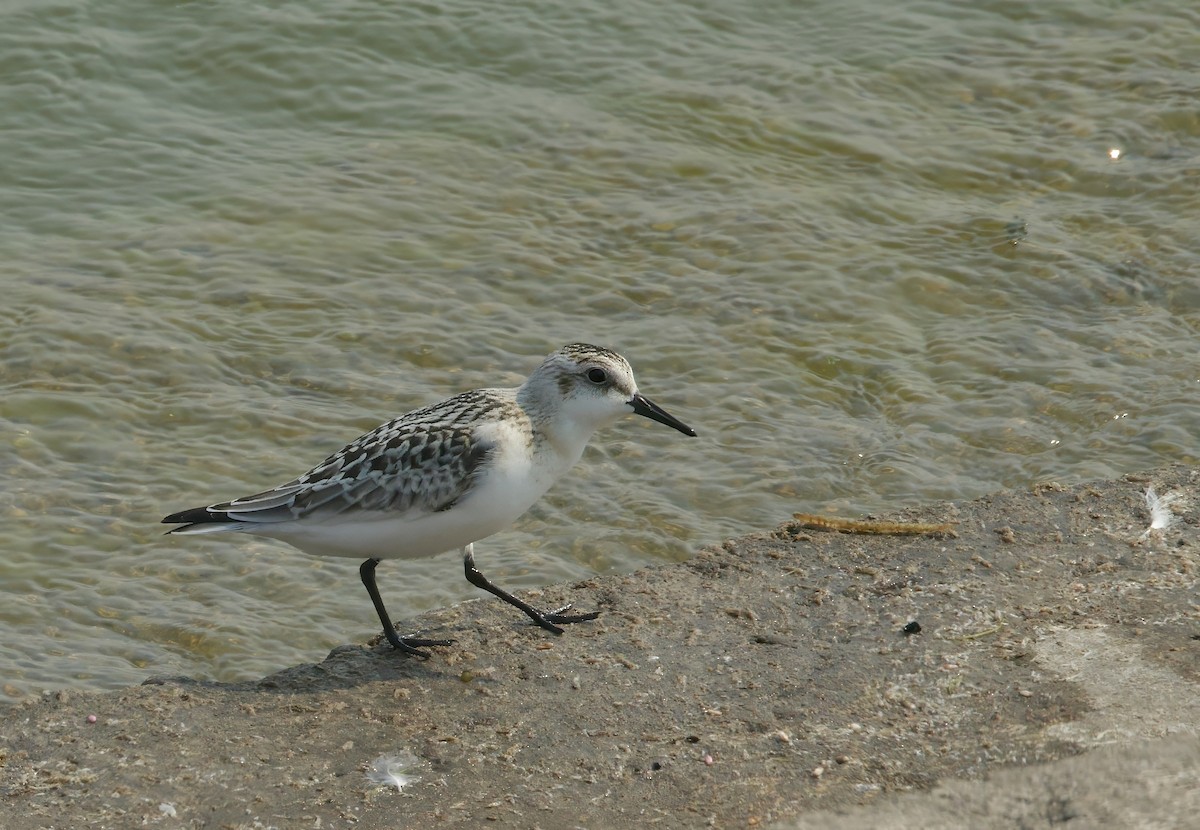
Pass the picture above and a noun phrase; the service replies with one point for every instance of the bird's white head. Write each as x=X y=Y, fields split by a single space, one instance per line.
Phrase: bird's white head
x=580 y=388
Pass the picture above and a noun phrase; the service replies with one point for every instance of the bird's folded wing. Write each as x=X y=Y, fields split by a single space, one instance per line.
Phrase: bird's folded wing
x=401 y=470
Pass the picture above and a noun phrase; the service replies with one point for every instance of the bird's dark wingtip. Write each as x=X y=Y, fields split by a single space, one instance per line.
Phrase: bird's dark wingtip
x=194 y=516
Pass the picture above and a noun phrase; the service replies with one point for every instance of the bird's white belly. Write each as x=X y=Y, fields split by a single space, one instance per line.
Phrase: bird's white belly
x=499 y=496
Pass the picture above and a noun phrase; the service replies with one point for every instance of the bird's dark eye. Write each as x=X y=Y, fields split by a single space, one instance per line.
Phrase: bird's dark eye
x=597 y=376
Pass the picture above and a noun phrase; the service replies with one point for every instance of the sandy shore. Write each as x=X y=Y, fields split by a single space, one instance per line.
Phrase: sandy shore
x=1055 y=678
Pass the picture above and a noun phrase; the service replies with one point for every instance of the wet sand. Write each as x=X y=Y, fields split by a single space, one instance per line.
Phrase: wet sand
x=776 y=680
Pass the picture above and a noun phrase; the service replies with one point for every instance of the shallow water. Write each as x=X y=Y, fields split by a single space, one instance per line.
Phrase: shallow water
x=876 y=255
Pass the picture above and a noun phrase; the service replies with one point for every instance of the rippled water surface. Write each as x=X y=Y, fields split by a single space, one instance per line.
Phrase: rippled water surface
x=878 y=254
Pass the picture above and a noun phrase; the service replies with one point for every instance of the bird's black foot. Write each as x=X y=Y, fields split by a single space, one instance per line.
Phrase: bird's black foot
x=413 y=645
x=550 y=620
x=409 y=645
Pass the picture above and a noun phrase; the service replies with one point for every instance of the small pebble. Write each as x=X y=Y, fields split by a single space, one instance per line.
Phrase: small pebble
x=708 y=760
x=91 y=718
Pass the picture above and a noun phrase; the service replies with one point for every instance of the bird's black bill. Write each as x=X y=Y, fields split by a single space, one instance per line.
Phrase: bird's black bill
x=654 y=412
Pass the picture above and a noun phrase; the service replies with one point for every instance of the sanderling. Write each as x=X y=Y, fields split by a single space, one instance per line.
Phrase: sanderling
x=445 y=476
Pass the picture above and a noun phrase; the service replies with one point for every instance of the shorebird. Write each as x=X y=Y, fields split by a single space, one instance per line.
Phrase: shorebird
x=444 y=476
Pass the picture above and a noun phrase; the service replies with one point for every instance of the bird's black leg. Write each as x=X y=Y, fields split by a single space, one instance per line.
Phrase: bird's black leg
x=406 y=644
x=546 y=619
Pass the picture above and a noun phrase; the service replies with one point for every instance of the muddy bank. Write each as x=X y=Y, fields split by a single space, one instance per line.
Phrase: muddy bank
x=776 y=679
